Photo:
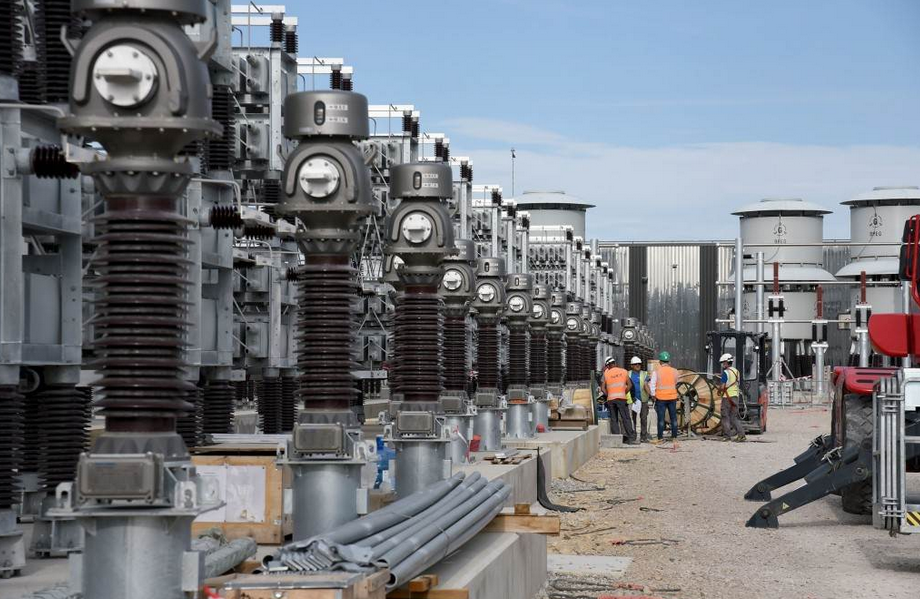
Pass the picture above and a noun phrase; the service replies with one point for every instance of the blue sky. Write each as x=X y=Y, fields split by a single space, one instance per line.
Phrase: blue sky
x=667 y=114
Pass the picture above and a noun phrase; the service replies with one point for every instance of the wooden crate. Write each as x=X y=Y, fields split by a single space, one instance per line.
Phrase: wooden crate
x=254 y=487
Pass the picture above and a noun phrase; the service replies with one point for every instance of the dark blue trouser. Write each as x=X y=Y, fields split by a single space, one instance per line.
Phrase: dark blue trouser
x=671 y=408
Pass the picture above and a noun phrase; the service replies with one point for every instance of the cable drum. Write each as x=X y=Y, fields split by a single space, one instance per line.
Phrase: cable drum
x=705 y=404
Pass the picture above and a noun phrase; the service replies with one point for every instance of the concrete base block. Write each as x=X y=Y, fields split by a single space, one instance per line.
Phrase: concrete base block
x=587 y=565
x=493 y=565
x=610 y=441
x=522 y=478
x=571 y=449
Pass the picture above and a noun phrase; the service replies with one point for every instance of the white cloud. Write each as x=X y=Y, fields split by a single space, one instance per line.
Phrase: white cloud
x=684 y=192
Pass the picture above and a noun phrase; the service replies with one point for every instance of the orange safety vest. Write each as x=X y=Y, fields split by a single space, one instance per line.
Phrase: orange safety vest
x=615 y=382
x=666 y=389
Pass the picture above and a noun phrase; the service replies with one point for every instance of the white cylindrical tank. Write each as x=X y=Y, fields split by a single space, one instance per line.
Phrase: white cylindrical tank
x=778 y=228
x=554 y=208
x=878 y=217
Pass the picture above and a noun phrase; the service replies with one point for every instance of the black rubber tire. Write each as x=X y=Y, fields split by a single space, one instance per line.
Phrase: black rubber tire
x=859 y=421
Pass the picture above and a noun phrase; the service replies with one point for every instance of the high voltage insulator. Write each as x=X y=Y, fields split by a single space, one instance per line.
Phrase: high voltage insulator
x=288 y=403
x=11 y=439
x=57 y=18
x=487 y=356
x=335 y=78
x=276 y=29
x=141 y=317
x=538 y=356
x=217 y=414
x=10 y=38
x=269 y=392
x=326 y=326
x=220 y=148
x=418 y=339
x=189 y=425
x=48 y=162
x=225 y=216
x=455 y=373
x=290 y=40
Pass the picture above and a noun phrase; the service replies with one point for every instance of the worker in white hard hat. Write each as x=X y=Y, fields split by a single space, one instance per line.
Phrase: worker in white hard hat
x=730 y=390
x=616 y=387
x=641 y=395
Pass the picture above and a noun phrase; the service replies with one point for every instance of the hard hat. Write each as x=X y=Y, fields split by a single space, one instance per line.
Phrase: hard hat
x=664 y=356
x=727 y=358
x=636 y=360
x=610 y=360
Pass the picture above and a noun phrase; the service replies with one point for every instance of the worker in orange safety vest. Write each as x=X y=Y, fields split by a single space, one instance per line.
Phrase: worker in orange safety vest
x=664 y=389
x=617 y=387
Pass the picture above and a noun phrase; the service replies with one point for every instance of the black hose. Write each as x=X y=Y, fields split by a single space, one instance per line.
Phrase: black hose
x=542 y=497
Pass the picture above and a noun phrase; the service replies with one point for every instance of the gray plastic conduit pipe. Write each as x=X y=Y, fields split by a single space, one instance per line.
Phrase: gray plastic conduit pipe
x=448 y=540
x=458 y=504
x=422 y=536
x=228 y=556
x=474 y=479
x=384 y=518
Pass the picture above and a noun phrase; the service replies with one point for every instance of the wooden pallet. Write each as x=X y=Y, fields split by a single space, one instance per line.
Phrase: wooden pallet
x=422 y=587
x=522 y=521
x=326 y=585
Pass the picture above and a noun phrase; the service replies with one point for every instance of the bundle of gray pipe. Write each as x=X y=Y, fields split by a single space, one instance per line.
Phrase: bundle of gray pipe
x=407 y=536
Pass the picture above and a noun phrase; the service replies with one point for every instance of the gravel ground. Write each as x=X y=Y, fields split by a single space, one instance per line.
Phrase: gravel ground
x=689 y=502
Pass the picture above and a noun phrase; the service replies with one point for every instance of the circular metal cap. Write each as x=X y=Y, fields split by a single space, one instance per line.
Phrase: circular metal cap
x=453 y=279
x=517 y=303
x=319 y=177
x=490 y=267
x=124 y=75
x=332 y=113
x=539 y=311
x=422 y=180
x=486 y=292
x=183 y=11
x=417 y=227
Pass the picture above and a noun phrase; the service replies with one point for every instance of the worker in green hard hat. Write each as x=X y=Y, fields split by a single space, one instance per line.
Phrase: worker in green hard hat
x=664 y=389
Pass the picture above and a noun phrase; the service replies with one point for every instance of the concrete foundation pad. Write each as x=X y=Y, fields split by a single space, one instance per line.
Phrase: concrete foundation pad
x=587 y=565
x=493 y=565
x=610 y=441
x=522 y=478
x=571 y=449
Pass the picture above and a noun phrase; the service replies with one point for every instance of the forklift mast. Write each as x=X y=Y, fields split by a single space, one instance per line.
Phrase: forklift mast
x=751 y=360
